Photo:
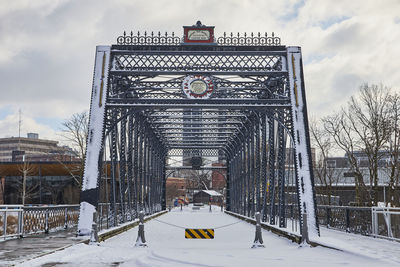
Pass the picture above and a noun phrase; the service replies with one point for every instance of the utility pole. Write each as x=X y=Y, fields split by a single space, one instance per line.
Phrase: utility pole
x=19 y=129
x=24 y=182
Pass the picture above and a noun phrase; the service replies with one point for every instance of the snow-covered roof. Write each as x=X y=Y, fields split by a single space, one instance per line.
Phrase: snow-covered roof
x=212 y=193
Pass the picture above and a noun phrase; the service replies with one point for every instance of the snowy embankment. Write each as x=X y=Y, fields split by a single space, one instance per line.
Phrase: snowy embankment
x=167 y=246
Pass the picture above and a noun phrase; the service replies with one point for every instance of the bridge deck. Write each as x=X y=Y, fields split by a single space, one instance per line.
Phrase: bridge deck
x=18 y=250
x=167 y=246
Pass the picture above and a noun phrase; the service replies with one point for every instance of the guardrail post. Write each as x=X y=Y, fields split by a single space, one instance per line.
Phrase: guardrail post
x=21 y=223
x=66 y=218
x=258 y=241
x=374 y=220
x=328 y=217
x=347 y=220
x=94 y=237
x=141 y=241
x=5 y=224
x=46 y=223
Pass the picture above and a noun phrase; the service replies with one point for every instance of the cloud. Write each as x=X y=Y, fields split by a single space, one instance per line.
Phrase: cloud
x=9 y=127
x=47 y=46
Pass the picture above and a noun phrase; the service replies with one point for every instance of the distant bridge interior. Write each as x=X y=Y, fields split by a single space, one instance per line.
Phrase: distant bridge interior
x=240 y=98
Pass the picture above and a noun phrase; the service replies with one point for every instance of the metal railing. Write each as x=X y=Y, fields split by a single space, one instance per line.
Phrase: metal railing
x=11 y=220
x=386 y=222
x=17 y=220
x=107 y=219
x=383 y=222
x=345 y=218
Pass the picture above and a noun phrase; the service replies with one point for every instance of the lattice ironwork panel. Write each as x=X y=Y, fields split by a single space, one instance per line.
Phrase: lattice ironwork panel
x=234 y=87
x=138 y=61
x=194 y=152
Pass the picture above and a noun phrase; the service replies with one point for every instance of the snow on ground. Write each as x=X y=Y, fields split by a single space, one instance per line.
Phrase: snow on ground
x=376 y=248
x=167 y=246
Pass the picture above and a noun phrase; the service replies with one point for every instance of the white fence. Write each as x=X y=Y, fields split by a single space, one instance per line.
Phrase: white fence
x=386 y=223
x=11 y=220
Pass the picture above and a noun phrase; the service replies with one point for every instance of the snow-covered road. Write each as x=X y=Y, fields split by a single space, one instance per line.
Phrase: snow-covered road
x=167 y=246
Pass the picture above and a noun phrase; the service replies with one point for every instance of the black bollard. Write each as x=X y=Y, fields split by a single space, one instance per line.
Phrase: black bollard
x=141 y=241
x=258 y=241
x=94 y=237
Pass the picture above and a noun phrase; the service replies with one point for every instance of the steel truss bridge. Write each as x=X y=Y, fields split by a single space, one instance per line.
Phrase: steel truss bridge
x=155 y=96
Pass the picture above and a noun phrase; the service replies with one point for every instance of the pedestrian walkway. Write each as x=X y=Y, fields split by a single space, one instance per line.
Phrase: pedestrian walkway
x=376 y=248
x=18 y=250
x=231 y=246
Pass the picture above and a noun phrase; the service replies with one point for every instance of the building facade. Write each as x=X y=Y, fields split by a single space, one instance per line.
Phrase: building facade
x=31 y=148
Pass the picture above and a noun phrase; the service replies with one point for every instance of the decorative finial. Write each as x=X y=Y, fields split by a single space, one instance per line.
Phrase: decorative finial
x=198 y=23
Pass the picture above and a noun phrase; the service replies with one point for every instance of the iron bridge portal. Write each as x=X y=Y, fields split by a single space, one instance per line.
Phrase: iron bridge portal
x=240 y=97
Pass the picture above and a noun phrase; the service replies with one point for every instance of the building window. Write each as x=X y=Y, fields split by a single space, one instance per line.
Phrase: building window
x=331 y=163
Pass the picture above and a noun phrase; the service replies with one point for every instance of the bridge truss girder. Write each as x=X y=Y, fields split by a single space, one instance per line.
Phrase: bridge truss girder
x=257 y=109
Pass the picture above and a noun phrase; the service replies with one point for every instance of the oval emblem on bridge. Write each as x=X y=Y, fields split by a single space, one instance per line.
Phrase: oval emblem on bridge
x=197 y=86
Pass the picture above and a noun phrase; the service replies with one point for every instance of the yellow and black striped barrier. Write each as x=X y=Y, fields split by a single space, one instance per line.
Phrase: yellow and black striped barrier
x=199 y=233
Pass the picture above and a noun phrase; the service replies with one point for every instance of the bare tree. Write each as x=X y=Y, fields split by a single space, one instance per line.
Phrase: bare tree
x=339 y=128
x=325 y=175
x=370 y=119
x=364 y=126
x=394 y=149
x=198 y=179
x=26 y=189
x=75 y=131
x=54 y=191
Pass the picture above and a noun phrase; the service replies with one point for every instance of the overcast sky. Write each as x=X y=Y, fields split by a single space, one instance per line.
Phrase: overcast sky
x=47 y=47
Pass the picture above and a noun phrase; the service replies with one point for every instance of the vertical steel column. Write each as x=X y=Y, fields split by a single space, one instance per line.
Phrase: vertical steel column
x=113 y=156
x=151 y=176
x=161 y=163
x=148 y=173
x=95 y=140
x=257 y=165
x=140 y=163
x=122 y=164
x=247 y=176
x=154 y=180
x=136 y=165
x=271 y=165
x=264 y=164
x=145 y=170
x=130 y=181
x=228 y=182
x=153 y=168
x=164 y=198
x=252 y=168
x=304 y=169
x=281 y=172
x=234 y=183
x=243 y=179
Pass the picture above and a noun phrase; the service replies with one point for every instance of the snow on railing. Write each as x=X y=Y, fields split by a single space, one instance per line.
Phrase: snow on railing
x=18 y=220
